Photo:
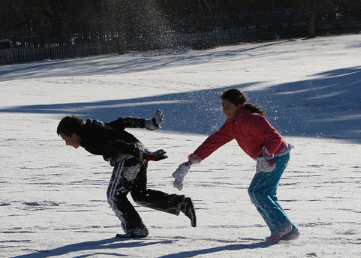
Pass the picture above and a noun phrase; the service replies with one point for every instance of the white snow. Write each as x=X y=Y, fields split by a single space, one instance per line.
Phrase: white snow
x=53 y=197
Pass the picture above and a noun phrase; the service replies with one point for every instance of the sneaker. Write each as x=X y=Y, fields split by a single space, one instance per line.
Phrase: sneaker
x=275 y=238
x=135 y=233
x=294 y=234
x=130 y=235
x=188 y=210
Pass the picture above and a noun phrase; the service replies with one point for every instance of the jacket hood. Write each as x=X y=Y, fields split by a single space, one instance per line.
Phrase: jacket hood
x=94 y=124
x=90 y=127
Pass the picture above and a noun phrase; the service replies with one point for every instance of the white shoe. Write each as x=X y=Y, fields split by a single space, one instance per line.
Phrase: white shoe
x=294 y=234
x=276 y=237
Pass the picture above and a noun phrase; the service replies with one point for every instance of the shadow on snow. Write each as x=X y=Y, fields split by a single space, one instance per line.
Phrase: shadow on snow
x=116 y=244
x=327 y=105
x=112 y=243
x=233 y=247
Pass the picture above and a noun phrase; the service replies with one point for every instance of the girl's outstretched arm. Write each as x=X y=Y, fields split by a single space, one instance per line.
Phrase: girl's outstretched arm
x=212 y=143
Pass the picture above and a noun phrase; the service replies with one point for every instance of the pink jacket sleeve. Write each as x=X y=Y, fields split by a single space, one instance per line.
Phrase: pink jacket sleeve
x=211 y=144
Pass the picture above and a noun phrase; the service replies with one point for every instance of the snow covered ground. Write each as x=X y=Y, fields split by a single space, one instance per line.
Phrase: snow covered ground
x=52 y=197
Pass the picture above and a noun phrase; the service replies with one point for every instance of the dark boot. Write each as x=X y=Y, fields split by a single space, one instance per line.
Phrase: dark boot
x=188 y=209
x=135 y=233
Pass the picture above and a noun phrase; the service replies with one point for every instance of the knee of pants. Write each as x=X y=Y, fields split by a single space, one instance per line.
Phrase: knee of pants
x=138 y=196
x=251 y=194
x=254 y=194
x=116 y=198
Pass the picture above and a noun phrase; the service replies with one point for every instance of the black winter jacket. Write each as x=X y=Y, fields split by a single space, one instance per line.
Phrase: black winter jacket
x=111 y=139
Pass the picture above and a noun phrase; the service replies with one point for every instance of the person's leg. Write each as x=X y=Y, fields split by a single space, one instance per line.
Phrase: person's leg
x=120 y=184
x=170 y=203
x=263 y=193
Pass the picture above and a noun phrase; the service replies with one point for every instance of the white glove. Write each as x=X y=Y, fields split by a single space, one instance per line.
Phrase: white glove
x=265 y=152
x=264 y=164
x=156 y=121
x=179 y=175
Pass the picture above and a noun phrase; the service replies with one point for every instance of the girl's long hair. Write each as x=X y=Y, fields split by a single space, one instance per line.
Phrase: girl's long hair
x=237 y=97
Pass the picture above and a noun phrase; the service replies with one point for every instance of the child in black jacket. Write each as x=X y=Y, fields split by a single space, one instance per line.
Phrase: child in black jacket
x=129 y=157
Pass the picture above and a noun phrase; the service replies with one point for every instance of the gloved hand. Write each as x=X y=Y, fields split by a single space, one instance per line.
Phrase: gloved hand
x=264 y=164
x=180 y=173
x=156 y=121
x=265 y=152
x=153 y=156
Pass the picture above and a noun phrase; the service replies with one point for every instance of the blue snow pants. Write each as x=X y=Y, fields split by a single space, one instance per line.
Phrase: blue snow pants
x=263 y=193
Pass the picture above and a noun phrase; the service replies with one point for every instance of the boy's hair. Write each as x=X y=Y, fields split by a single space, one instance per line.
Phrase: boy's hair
x=237 y=97
x=69 y=125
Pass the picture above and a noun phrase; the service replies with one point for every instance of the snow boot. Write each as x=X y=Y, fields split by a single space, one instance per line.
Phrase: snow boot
x=188 y=209
x=135 y=233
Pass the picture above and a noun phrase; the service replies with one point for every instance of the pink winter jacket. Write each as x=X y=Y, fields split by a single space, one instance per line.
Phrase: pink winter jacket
x=252 y=131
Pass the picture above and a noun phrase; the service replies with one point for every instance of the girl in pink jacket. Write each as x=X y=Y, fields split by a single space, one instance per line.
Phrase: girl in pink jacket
x=260 y=140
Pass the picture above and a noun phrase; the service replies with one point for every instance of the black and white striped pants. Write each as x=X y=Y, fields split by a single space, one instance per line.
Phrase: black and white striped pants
x=130 y=175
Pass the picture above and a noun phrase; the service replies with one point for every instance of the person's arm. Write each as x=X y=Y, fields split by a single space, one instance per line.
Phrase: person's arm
x=103 y=147
x=211 y=144
x=134 y=122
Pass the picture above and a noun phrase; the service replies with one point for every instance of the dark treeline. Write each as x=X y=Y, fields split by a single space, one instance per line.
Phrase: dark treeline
x=44 y=23
x=53 y=29
x=91 y=14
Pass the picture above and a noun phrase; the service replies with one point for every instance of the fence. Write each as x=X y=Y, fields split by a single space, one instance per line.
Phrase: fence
x=206 y=32
x=23 y=55
x=197 y=40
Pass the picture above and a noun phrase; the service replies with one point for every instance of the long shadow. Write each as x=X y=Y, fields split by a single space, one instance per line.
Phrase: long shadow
x=233 y=247
x=112 y=243
x=326 y=105
x=189 y=112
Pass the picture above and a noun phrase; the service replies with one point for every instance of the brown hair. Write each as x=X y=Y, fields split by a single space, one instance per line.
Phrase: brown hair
x=69 y=125
x=237 y=97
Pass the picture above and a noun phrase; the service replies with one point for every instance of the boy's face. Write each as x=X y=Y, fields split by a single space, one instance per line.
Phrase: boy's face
x=74 y=140
x=230 y=109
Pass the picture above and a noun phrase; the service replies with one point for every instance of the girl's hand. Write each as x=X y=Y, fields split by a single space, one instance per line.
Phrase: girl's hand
x=179 y=175
x=265 y=152
x=265 y=164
